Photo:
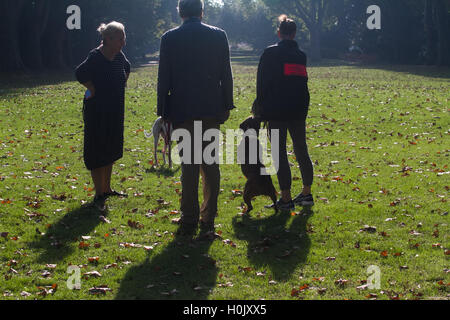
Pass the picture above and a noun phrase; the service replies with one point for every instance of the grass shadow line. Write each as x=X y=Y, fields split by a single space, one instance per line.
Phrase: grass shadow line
x=182 y=271
x=271 y=245
x=57 y=242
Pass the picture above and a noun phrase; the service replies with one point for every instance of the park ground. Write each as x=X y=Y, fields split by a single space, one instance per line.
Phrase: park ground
x=379 y=140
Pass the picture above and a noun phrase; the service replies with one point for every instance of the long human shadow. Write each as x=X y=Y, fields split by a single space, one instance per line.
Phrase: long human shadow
x=58 y=241
x=274 y=246
x=182 y=271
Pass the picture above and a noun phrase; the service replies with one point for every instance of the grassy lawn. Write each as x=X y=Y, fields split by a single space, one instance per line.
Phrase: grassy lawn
x=380 y=142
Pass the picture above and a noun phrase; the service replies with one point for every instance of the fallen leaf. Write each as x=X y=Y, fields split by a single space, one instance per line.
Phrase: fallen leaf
x=95 y=274
x=93 y=259
x=45 y=274
x=228 y=284
x=176 y=220
x=237 y=192
x=135 y=224
x=318 y=279
x=104 y=219
x=371 y=296
x=25 y=294
x=363 y=287
x=369 y=229
x=99 y=290
x=341 y=282
x=321 y=291
x=303 y=287
x=83 y=245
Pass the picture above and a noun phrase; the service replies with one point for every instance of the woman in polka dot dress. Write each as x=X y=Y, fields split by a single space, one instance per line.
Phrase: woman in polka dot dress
x=104 y=73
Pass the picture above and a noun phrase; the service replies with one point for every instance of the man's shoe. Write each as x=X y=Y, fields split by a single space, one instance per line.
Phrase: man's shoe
x=186 y=230
x=302 y=200
x=206 y=226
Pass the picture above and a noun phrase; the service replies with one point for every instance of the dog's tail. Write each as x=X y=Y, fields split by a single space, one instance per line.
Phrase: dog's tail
x=147 y=134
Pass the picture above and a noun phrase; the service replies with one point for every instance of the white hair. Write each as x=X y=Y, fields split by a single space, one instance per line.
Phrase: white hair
x=111 y=29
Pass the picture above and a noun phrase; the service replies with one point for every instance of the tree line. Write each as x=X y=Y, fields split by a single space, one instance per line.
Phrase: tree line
x=412 y=31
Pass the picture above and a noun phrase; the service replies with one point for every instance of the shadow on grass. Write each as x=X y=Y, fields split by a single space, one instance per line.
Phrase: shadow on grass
x=182 y=271
x=274 y=245
x=16 y=83
x=418 y=70
x=58 y=242
x=164 y=171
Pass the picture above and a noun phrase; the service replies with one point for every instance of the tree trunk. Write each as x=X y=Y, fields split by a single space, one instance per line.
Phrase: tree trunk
x=313 y=19
x=430 y=55
x=55 y=37
x=315 y=32
x=441 y=22
x=38 y=17
x=10 y=58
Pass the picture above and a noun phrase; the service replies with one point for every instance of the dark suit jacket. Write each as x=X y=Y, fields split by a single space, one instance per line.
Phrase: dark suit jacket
x=194 y=78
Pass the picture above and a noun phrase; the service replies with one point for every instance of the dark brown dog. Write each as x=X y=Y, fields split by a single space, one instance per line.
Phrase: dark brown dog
x=257 y=184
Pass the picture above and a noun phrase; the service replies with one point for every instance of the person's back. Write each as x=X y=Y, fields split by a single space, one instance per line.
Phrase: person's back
x=195 y=71
x=195 y=83
x=283 y=101
x=286 y=96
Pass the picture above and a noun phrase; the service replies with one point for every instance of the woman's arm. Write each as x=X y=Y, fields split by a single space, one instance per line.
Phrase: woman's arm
x=84 y=74
x=90 y=86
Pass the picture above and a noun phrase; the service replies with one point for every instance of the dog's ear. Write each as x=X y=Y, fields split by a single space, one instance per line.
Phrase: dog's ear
x=246 y=124
x=256 y=123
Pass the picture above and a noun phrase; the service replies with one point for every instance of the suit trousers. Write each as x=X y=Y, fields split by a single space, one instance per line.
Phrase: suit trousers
x=210 y=173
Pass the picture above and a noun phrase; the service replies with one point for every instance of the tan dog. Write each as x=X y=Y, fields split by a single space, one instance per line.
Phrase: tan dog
x=164 y=129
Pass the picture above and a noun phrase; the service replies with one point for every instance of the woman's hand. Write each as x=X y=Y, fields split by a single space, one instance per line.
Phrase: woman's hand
x=90 y=86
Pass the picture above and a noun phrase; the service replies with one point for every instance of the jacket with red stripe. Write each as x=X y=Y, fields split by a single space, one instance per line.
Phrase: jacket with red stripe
x=282 y=83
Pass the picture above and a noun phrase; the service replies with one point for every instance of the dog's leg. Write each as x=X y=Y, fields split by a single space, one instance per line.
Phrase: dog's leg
x=248 y=195
x=156 y=137
x=164 y=150
x=273 y=196
x=170 y=153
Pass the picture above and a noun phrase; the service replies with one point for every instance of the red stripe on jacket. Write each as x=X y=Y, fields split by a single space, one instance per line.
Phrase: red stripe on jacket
x=295 y=70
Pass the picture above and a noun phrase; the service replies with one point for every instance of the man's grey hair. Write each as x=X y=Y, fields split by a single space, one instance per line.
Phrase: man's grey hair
x=190 y=8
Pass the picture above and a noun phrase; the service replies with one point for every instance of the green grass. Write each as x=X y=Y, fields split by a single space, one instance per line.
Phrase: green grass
x=379 y=139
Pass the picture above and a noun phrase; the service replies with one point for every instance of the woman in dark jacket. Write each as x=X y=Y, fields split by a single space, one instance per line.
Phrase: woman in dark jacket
x=283 y=101
x=104 y=73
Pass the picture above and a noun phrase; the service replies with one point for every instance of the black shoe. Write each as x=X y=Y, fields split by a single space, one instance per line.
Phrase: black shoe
x=206 y=227
x=186 y=230
x=281 y=205
x=207 y=232
x=115 y=194
x=302 y=200
x=99 y=202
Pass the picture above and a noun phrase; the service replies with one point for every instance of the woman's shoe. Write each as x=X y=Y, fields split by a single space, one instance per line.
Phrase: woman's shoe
x=116 y=194
x=302 y=200
x=99 y=202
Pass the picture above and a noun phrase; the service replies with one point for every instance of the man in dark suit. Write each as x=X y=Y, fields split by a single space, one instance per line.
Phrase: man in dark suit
x=195 y=84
